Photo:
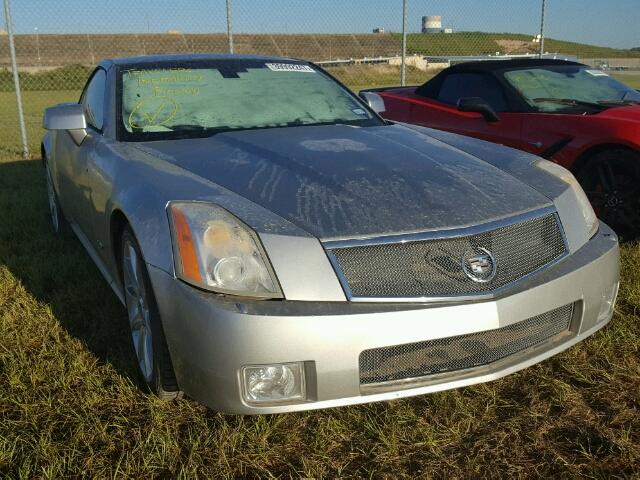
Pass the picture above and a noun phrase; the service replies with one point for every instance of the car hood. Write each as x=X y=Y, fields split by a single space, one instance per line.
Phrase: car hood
x=340 y=181
x=630 y=112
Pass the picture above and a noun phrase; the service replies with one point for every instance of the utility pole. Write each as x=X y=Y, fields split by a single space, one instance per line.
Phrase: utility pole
x=38 y=45
x=403 y=67
x=229 y=28
x=544 y=4
x=16 y=78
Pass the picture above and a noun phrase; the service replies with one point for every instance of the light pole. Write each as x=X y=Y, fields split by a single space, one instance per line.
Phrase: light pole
x=229 y=27
x=16 y=78
x=403 y=67
x=544 y=4
x=35 y=29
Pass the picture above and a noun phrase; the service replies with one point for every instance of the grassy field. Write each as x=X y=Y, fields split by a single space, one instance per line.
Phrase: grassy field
x=71 y=404
x=65 y=49
x=477 y=43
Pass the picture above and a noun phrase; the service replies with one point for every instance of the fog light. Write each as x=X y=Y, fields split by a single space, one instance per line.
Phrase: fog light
x=608 y=302
x=279 y=383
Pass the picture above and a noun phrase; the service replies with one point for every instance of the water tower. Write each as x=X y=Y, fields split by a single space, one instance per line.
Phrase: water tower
x=432 y=24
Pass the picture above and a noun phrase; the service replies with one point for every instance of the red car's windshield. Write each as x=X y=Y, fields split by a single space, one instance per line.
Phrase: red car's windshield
x=553 y=88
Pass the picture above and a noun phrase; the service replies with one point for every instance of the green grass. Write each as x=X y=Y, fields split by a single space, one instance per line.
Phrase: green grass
x=631 y=79
x=71 y=404
x=70 y=77
x=480 y=43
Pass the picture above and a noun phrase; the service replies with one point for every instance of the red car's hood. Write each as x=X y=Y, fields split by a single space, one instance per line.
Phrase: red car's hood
x=629 y=112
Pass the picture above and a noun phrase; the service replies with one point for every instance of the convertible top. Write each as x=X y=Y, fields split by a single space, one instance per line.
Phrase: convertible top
x=108 y=62
x=431 y=87
x=492 y=65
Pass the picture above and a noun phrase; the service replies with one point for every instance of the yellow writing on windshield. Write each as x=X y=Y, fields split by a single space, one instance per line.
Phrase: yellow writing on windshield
x=158 y=94
x=159 y=77
x=176 y=92
x=152 y=111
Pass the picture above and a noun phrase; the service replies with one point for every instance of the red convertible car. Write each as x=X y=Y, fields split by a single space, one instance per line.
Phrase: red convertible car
x=570 y=113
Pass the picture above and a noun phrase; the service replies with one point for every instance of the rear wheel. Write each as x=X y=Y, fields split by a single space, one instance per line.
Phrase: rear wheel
x=147 y=336
x=611 y=180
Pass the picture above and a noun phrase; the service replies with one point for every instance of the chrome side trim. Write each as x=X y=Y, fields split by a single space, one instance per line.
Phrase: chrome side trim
x=438 y=235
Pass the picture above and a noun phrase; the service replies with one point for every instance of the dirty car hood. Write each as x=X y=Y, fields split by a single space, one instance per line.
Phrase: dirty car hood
x=343 y=182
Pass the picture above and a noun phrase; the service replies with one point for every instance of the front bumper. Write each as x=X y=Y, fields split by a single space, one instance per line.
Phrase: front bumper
x=211 y=338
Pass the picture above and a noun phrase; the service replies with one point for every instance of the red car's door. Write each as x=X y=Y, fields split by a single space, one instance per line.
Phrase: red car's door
x=546 y=133
x=434 y=114
x=442 y=112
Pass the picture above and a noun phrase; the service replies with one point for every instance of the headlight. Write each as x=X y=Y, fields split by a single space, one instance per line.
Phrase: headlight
x=586 y=210
x=215 y=250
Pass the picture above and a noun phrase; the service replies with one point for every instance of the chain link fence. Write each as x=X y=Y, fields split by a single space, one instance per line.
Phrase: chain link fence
x=361 y=42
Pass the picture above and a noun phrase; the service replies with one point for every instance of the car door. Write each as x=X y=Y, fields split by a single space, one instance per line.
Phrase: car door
x=93 y=102
x=545 y=134
x=71 y=158
x=442 y=112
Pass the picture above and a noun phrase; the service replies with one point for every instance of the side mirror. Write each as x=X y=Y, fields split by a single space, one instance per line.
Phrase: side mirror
x=374 y=100
x=69 y=117
x=478 y=105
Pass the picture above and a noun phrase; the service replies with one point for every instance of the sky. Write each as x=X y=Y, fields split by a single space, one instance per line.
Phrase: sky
x=614 y=23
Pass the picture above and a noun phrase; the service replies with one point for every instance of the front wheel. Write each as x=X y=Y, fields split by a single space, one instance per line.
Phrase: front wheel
x=147 y=336
x=611 y=180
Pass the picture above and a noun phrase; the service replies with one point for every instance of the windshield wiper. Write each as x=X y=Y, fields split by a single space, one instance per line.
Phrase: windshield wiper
x=619 y=102
x=572 y=102
x=200 y=129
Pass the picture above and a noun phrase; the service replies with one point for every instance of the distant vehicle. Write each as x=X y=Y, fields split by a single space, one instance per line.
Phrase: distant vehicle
x=563 y=111
x=278 y=246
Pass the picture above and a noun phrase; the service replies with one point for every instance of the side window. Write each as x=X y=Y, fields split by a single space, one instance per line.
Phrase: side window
x=460 y=85
x=93 y=99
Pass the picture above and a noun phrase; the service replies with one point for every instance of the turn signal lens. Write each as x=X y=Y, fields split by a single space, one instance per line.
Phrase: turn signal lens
x=185 y=246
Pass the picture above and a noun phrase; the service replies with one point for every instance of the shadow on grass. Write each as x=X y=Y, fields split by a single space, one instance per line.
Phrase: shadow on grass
x=56 y=270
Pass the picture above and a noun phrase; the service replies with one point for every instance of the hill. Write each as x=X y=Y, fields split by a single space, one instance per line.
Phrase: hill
x=56 y=50
x=482 y=43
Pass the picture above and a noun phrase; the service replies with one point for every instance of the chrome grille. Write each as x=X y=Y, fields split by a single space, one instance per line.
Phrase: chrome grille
x=421 y=359
x=434 y=267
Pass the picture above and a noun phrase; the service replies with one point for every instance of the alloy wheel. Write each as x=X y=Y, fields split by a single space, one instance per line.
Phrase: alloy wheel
x=614 y=194
x=138 y=310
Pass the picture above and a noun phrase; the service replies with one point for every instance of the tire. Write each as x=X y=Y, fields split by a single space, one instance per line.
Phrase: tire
x=56 y=216
x=147 y=337
x=611 y=180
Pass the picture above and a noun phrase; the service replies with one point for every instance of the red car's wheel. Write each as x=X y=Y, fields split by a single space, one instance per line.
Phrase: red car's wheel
x=611 y=180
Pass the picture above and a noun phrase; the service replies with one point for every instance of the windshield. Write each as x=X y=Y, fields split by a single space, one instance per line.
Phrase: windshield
x=202 y=98
x=552 y=88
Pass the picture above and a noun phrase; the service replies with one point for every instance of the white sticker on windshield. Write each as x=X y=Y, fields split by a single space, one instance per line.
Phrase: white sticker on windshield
x=289 y=67
x=597 y=73
x=359 y=111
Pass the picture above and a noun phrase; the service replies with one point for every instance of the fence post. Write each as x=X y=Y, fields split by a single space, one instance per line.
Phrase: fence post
x=403 y=66
x=229 y=28
x=16 y=78
x=544 y=4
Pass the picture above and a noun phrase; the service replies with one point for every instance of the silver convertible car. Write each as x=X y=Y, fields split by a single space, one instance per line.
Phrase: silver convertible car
x=278 y=246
